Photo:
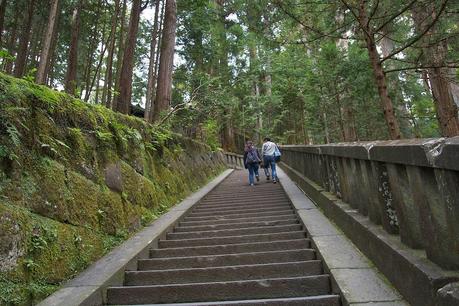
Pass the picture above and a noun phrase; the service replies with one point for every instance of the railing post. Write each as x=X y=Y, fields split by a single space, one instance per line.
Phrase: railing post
x=408 y=213
x=389 y=219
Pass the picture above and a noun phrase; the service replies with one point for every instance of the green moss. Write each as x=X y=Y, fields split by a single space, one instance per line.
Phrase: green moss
x=54 y=200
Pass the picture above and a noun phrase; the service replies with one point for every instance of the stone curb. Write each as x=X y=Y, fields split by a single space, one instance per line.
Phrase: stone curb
x=417 y=278
x=353 y=275
x=88 y=288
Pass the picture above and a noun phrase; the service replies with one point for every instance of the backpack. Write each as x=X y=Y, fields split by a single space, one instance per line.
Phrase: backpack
x=277 y=154
x=252 y=156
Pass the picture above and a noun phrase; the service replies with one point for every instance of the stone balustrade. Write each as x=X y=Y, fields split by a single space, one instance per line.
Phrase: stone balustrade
x=409 y=187
x=234 y=160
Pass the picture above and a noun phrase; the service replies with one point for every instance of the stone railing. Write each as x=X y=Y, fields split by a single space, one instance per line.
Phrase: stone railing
x=234 y=160
x=410 y=187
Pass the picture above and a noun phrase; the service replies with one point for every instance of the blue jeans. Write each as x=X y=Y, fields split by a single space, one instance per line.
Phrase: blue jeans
x=266 y=171
x=268 y=160
x=253 y=171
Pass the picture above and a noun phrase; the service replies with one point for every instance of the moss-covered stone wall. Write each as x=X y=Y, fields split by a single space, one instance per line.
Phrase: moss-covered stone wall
x=76 y=180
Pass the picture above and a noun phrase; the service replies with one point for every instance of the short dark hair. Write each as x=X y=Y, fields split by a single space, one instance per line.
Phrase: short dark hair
x=267 y=139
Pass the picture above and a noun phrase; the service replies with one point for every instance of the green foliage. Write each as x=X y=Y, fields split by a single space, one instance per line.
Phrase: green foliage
x=62 y=215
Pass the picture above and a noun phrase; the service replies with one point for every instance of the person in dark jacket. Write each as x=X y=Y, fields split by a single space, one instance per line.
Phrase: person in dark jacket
x=252 y=159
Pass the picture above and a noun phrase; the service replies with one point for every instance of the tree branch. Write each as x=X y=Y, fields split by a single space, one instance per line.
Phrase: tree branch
x=373 y=12
x=418 y=37
x=312 y=29
x=420 y=67
x=403 y=10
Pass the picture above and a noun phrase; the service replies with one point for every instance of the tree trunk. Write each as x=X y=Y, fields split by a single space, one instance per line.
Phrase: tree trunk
x=71 y=76
x=2 y=18
x=158 y=45
x=395 y=89
x=96 y=73
x=96 y=99
x=35 y=44
x=120 y=54
x=52 y=58
x=21 y=58
x=92 y=48
x=108 y=80
x=434 y=55
x=164 y=88
x=123 y=100
x=380 y=77
x=151 y=68
x=12 y=42
x=46 y=50
x=158 y=56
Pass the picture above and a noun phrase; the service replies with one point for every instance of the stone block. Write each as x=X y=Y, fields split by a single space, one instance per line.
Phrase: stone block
x=447 y=155
x=364 y=285
x=113 y=177
x=448 y=295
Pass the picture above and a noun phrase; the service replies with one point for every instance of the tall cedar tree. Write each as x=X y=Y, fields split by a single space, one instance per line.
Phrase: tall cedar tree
x=123 y=99
x=2 y=17
x=152 y=67
x=21 y=58
x=70 y=79
x=108 y=81
x=47 y=43
x=164 y=88
x=434 y=57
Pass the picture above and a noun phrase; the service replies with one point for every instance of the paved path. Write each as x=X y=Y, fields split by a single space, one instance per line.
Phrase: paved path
x=240 y=245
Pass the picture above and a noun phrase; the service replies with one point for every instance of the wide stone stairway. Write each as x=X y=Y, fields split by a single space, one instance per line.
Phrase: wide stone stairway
x=240 y=245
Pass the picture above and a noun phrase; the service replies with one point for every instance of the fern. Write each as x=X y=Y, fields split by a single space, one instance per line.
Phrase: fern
x=13 y=134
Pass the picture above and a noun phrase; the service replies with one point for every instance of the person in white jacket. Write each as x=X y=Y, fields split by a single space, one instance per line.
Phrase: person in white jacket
x=269 y=160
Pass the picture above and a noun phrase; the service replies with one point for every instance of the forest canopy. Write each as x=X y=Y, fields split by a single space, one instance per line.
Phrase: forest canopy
x=222 y=71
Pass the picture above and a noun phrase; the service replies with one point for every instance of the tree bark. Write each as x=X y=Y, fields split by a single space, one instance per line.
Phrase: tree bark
x=49 y=79
x=12 y=42
x=21 y=58
x=108 y=80
x=96 y=74
x=160 y=37
x=164 y=88
x=2 y=18
x=71 y=76
x=123 y=100
x=35 y=44
x=434 y=55
x=152 y=67
x=120 y=53
x=378 y=72
x=46 y=50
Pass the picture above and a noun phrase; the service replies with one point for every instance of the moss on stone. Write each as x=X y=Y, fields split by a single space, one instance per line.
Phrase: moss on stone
x=60 y=209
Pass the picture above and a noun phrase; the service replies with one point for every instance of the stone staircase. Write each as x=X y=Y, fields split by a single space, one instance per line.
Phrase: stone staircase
x=240 y=245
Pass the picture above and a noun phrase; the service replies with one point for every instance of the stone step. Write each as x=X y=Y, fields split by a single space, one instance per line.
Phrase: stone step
x=240 y=212
x=238 y=193
x=249 y=199
x=223 y=274
x=281 y=212
x=235 y=225
x=319 y=300
x=231 y=239
x=280 y=245
x=235 y=232
x=234 y=290
x=226 y=260
x=245 y=207
x=248 y=210
x=239 y=220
